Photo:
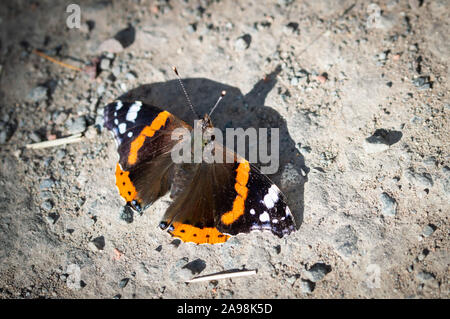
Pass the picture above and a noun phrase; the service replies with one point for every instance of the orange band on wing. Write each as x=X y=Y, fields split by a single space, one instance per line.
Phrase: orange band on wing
x=126 y=187
x=242 y=190
x=205 y=235
x=148 y=131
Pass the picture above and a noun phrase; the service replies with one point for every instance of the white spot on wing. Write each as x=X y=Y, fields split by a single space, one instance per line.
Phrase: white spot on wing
x=122 y=128
x=268 y=201
x=119 y=105
x=264 y=217
x=130 y=134
x=252 y=211
x=288 y=211
x=133 y=111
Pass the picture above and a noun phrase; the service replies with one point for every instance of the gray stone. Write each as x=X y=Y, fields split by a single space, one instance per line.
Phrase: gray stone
x=389 y=205
x=47 y=205
x=131 y=76
x=2 y=137
x=123 y=282
x=77 y=125
x=242 y=43
x=346 y=240
x=126 y=214
x=35 y=137
x=46 y=184
x=52 y=218
x=37 y=94
x=196 y=266
x=419 y=179
x=105 y=64
x=318 y=271
x=98 y=242
x=116 y=70
x=425 y=276
x=307 y=286
x=428 y=230
x=110 y=45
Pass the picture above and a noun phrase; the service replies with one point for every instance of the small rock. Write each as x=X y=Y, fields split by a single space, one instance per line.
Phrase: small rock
x=123 y=282
x=35 y=137
x=422 y=82
x=294 y=81
x=242 y=43
x=47 y=205
x=175 y=242
x=423 y=254
x=46 y=184
x=290 y=28
x=60 y=154
x=52 y=218
x=105 y=64
x=428 y=230
x=110 y=45
x=196 y=266
x=419 y=179
x=307 y=286
x=116 y=70
x=322 y=78
x=77 y=125
x=318 y=271
x=3 y=137
x=389 y=205
x=425 y=276
x=126 y=214
x=131 y=76
x=126 y=36
x=346 y=240
x=73 y=273
x=37 y=94
x=98 y=243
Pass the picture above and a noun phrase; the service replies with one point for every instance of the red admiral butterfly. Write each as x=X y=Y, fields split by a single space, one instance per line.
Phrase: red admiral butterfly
x=211 y=202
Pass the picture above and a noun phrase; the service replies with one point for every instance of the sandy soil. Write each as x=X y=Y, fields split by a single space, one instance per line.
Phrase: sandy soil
x=359 y=91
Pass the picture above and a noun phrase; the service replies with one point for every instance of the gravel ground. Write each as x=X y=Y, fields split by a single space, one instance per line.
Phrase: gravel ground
x=359 y=91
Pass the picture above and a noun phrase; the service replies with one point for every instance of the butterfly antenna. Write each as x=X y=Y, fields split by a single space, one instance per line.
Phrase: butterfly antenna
x=218 y=101
x=185 y=93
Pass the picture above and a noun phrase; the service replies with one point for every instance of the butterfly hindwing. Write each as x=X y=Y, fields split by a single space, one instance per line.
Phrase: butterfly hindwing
x=233 y=198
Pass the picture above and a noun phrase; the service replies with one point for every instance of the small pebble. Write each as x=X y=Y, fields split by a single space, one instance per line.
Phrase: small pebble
x=52 y=218
x=105 y=64
x=428 y=230
x=318 y=271
x=77 y=125
x=110 y=45
x=242 y=43
x=389 y=205
x=37 y=94
x=47 y=205
x=46 y=184
x=98 y=243
x=307 y=286
x=123 y=282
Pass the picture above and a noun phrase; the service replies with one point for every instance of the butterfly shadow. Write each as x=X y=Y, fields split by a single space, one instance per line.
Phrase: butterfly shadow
x=236 y=110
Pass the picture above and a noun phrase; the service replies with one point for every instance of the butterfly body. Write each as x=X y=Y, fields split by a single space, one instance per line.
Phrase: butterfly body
x=211 y=200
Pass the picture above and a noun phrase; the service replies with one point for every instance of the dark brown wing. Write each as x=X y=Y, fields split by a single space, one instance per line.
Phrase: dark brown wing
x=223 y=199
x=144 y=137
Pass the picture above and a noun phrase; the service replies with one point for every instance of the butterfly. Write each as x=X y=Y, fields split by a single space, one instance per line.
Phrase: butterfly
x=211 y=201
